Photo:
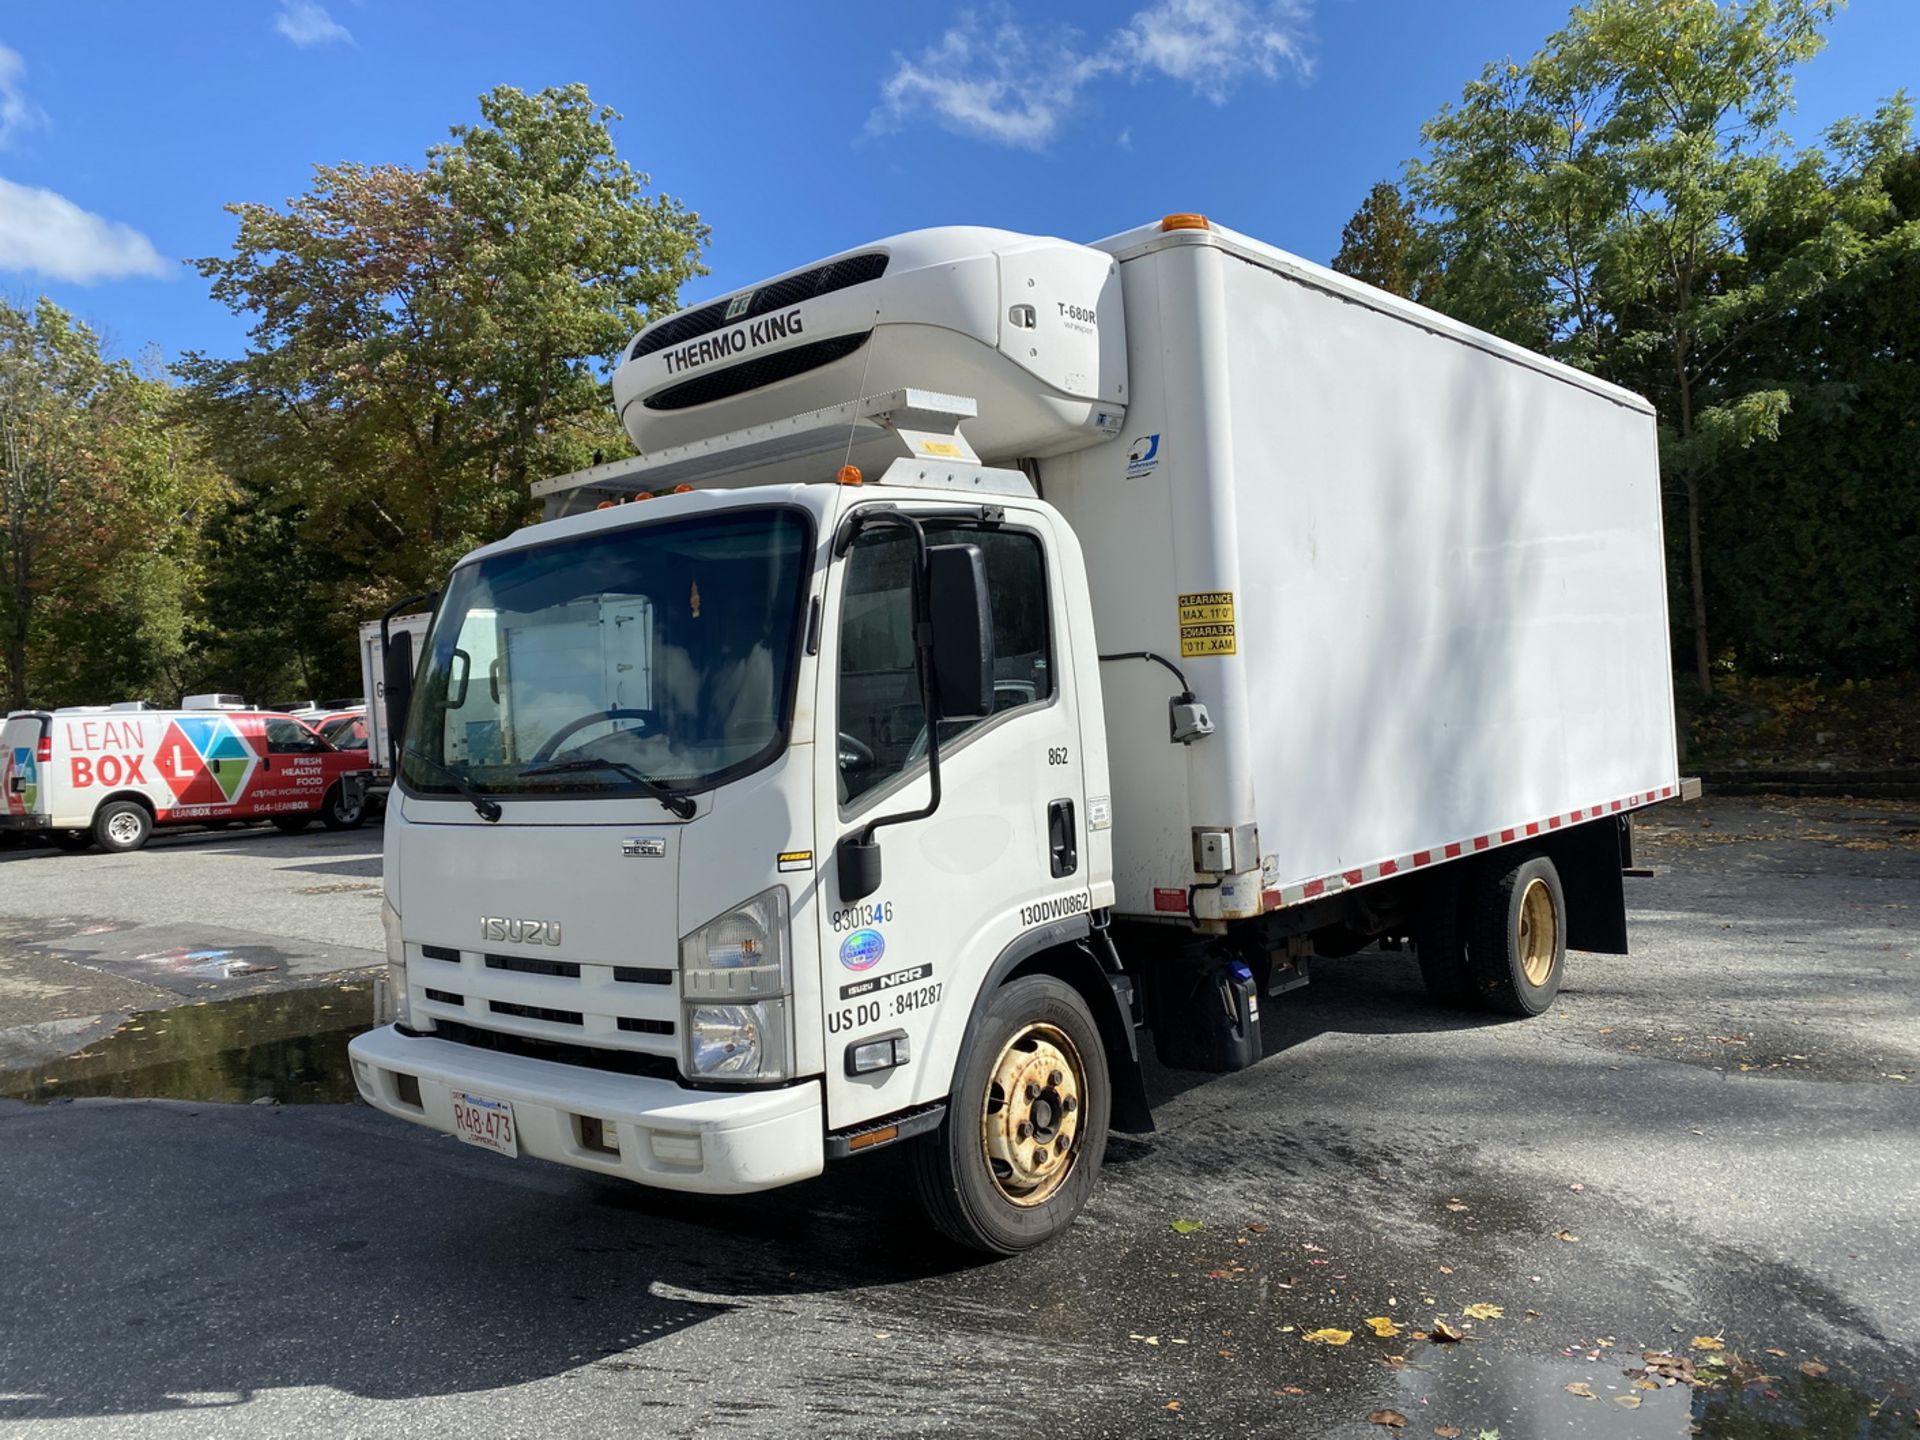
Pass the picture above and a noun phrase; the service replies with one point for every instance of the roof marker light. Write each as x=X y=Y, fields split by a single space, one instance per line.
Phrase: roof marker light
x=683 y=489
x=849 y=475
x=1185 y=221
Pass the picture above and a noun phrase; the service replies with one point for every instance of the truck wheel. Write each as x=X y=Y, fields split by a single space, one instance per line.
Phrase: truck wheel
x=122 y=825
x=292 y=824
x=1517 y=939
x=1026 y=1127
x=72 y=839
x=1441 y=949
x=337 y=813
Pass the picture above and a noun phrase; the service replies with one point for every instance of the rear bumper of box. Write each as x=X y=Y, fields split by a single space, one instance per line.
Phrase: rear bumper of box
x=26 y=822
x=711 y=1142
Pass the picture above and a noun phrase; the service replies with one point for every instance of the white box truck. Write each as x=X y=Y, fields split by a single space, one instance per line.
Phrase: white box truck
x=1047 y=650
x=399 y=633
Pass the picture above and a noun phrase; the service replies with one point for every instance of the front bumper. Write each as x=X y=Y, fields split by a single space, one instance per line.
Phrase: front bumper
x=711 y=1142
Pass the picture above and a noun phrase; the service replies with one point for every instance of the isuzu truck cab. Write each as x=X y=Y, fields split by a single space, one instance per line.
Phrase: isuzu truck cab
x=1003 y=658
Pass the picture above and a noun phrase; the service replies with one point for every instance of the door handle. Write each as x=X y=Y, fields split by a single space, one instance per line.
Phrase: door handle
x=1063 y=846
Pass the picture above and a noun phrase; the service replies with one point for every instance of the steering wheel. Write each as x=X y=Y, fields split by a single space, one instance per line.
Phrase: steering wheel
x=651 y=718
x=855 y=752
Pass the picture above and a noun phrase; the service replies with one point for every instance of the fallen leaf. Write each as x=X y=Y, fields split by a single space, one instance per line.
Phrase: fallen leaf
x=1291 y=1390
x=1446 y=1269
x=1483 y=1311
x=1812 y=1369
x=1257 y=1228
x=1708 y=1342
x=1186 y=1227
x=1447 y=1432
x=1394 y=1362
x=1455 y=1206
x=1383 y=1326
x=1533 y=1314
x=1443 y=1331
x=1576 y=1187
x=1643 y=1383
x=1391 y=1419
x=1173 y=1404
x=1224 y=1354
x=1566 y=1235
x=1627 y=1402
x=1780 y=1353
x=1328 y=1336
x=1580 y=1388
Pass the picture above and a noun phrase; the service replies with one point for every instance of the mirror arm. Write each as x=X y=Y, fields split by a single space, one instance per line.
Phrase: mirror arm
x=922 y=654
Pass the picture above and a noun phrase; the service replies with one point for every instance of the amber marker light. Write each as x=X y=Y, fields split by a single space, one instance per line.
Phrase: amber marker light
x=1184 y=221
x=849 y=475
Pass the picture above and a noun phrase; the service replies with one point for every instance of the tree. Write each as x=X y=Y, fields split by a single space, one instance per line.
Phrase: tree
x=1384 y=245
x=428 y=340
x=1598 y=202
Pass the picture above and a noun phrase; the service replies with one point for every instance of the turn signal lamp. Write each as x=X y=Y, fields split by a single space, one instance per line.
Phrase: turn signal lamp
x=43 y=752
x=849 y=475
x=1184 y=221
x=642 y=495
x=606 y=504
x=683 y=489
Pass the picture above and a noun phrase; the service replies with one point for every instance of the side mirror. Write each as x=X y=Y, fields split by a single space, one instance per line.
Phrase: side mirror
x=962 y=624
x=399 y=690
x=858 y=858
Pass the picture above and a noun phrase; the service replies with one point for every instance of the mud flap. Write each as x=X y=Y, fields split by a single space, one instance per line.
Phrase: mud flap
x=1132 y=1112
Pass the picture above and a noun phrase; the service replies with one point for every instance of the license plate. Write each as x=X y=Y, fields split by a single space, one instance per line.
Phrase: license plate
x=483 y=1122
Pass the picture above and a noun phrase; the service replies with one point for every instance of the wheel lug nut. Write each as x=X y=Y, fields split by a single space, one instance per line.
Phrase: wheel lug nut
x=1070 y=1104
x=1054 y=1077
x=1061 y=1145
x=1033 y=1091
x=1039 y=1157
x=1023 y=1130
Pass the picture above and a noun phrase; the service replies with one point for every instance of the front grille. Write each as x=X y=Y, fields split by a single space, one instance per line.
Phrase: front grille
x=635 y=975
x=440 y=952
x=535 y=1012
x=753 y=374
x=525 y=966
x=780 y=295
x=445 y=997
x=621 y=1062
x=646 y=1027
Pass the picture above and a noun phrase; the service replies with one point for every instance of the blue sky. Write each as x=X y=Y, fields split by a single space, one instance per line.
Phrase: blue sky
x=795 y=129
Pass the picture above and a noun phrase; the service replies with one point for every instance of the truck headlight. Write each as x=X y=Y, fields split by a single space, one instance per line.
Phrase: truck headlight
x=390 y=999
x=736 y=980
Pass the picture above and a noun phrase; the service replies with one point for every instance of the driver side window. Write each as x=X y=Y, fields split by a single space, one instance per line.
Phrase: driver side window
x=882 y=726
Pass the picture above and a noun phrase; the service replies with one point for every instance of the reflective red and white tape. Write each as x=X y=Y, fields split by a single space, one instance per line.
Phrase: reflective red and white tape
x=1276 y=899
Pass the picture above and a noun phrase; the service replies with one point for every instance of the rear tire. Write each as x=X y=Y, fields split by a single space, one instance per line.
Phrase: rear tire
x=122 y=825
x=1517 y=939
x=292 y=824
x=337 y=814
x=1035 y=1072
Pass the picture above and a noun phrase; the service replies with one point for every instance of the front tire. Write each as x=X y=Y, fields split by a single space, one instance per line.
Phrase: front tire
x=1026 y=1127
x=1517 y=939
x=122 y=825
x=336 y=813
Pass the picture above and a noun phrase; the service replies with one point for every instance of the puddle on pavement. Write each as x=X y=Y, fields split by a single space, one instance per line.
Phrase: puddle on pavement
x=289 y=1045
x=1462 y=1390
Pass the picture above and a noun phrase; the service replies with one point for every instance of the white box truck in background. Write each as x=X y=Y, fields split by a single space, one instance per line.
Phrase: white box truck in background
x=1186 y=610
x=402 y=634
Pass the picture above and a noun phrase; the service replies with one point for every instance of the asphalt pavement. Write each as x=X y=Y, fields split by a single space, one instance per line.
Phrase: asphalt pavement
x=1708 y=1151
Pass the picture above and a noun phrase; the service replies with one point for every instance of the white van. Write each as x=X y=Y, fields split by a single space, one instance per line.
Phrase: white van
x=106 y=776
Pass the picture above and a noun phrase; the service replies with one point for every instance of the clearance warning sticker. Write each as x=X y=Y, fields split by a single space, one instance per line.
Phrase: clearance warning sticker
x=1206 y=624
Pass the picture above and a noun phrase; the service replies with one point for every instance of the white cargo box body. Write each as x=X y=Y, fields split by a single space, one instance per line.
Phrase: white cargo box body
x=1422 y=574
x=373 y=683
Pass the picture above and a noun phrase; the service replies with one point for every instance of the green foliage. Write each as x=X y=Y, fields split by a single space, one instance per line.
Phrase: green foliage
x=101 y=496
x=425 y=342
x=1384 y=245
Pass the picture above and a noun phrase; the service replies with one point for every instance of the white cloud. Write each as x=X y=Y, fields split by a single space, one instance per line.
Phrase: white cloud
x=1003 y=83
x=49 y=234
x=17 y=112
x=306 y=23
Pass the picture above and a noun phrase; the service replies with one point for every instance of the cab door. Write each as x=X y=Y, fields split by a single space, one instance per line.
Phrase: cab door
x=1005 y=852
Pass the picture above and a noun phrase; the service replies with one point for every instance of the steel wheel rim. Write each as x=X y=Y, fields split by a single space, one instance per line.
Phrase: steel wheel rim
x=1539 y=937
x=124 y=828
x=1030 y=1115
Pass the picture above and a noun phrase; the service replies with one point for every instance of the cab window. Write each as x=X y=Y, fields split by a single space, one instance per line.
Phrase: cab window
x=290 y=737
x=883 y=730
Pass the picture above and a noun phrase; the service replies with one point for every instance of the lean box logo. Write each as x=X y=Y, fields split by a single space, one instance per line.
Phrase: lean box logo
x=862 y=949
x=1143 y=457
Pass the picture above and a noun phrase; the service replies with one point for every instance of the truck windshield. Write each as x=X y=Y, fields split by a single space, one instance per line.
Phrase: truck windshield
x=646 y=657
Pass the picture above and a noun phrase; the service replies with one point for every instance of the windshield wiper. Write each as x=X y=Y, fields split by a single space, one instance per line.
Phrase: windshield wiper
x=679 y=804
x=488 y=809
